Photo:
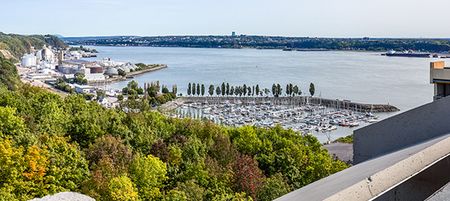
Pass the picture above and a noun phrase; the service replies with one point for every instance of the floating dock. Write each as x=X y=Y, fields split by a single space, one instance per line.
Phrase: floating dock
x=299 y=100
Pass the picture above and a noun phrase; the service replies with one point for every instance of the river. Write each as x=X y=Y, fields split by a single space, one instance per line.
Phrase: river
x=364 y=77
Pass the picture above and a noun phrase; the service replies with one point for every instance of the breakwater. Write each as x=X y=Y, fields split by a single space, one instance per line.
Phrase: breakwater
x=299 y=100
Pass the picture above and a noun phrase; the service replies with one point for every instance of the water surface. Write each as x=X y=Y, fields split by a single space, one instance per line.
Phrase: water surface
x=357 y=76
x=364 y=77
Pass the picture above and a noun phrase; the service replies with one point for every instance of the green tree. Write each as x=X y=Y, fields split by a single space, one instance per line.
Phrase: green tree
x=273 y=187
x=165 y=90
x=67 y=167
x=88 y=120
x=111 y=149
x=122 y=189
x=100 y=94
x=193 y=191
x=175 y=195
x=223 y=89
x=244 y=89
x=246 y=140
x=291 y=89
x=8 y=74
x=198 y=89
x=257 y=90
x=296 y=90
x=148 y=173
x=203 y=90
x=122 y=72
x=266 y=91
x=211 y=90
x=80 y=78
x=287 y=90
x=193 y=89
x=274 y=90
x=189 y=89
x=174 y=89
x=120 y=97
x=312 y=89
x=218 y=91
x=10 y=124
x=152 y=91
x=237 y=90
x=279 y=90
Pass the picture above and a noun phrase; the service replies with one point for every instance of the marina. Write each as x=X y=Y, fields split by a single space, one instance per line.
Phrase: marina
x=305 y=117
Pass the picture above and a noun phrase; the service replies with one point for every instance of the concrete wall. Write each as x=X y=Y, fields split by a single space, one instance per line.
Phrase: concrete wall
x=403 y=130
x=421 y=186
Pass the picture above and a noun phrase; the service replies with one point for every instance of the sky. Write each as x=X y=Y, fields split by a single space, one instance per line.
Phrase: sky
x=312 y=18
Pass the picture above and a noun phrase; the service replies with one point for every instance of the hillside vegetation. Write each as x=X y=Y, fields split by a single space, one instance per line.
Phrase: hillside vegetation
x=17 y=45
x=271 y=42
x=50 y=144
x=8 y=74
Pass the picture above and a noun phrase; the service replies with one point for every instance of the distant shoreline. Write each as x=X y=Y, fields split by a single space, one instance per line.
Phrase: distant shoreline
x=429 y=45
x=242 y=48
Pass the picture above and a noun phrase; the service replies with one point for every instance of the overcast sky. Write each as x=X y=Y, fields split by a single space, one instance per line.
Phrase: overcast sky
x=314 y=18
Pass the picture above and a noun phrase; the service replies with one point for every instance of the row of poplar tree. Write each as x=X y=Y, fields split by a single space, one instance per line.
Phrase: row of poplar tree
x=225 y=89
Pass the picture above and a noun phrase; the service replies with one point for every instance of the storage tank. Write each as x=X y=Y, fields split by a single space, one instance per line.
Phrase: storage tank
x=48 y=54
x=28 y=60
x=111 y=71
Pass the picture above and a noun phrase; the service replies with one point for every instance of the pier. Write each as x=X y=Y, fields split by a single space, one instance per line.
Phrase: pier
x=299 y=100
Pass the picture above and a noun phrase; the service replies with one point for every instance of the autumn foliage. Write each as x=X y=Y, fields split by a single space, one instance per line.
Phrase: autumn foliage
x=50 y=144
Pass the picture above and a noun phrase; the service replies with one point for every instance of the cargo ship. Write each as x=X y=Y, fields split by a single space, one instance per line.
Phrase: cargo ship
x=392 y=53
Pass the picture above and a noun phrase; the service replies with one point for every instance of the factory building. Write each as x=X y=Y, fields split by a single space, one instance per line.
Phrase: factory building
x=92 y=71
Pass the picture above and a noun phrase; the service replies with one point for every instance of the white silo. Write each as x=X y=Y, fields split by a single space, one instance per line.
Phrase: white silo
x=28 y=60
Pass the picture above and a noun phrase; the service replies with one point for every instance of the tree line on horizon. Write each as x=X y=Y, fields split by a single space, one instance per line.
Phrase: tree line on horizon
x=225 y=89
x=275 y=42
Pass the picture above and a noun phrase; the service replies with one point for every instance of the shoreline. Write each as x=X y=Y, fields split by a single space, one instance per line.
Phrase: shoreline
x=243 y=48
x=130 y=75
x=281 y=49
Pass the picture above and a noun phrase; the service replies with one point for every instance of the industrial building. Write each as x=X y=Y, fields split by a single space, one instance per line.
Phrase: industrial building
x=92 y=71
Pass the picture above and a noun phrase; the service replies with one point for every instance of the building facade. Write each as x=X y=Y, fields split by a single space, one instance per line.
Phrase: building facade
x=440 y=78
